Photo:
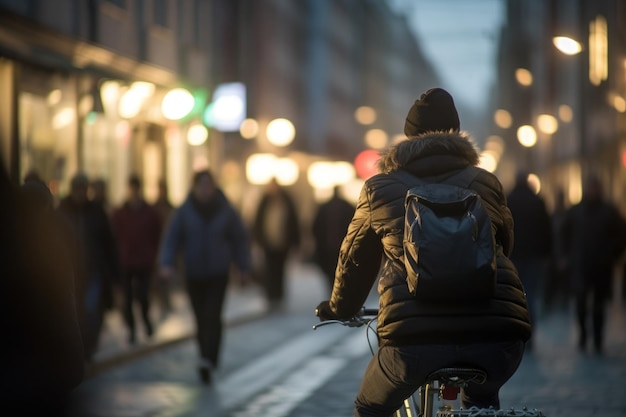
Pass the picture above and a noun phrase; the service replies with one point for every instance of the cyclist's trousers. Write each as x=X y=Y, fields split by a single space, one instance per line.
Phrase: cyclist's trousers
x=394 y=373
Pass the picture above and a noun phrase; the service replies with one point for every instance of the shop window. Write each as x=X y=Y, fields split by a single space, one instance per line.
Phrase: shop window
x=47 y=120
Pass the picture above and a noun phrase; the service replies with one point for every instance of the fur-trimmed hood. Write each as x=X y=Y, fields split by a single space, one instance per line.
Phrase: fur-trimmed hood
x=456 y=144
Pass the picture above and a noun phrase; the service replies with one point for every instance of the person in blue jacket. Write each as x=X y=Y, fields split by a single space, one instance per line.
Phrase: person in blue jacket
x=211 y=237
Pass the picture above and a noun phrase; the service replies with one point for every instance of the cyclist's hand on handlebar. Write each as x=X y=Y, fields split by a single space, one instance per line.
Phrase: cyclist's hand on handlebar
x=324 y=312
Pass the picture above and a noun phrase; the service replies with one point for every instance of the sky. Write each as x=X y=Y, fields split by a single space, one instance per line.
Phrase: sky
x=460 y=39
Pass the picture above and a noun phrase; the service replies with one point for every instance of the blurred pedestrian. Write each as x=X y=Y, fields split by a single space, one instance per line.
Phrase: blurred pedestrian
x=137 y=227
x=209 y=232
x=33 y=176
x=329 y=228
x=42 y=347
x=594 y=232
x=532 y=245
x=98 y=194
x=95 y=259
x=556 y=289
x=163 y=287
x=276 y=230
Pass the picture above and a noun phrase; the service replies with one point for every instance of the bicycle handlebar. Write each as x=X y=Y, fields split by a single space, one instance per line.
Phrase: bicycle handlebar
x=363 y=317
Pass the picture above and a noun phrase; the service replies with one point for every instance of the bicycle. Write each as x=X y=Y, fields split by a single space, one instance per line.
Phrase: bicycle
x=441 y=387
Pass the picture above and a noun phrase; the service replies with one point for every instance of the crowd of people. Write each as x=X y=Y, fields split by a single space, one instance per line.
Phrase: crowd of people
x=568 y=253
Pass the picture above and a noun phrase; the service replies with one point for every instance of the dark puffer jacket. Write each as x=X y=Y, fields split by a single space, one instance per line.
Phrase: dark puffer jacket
x=373 y=249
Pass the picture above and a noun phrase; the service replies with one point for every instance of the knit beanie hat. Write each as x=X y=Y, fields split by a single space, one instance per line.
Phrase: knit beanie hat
x=434 y=111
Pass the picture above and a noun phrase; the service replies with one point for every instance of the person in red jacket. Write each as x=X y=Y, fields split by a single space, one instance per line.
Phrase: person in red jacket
x=417 y=337
x=137 y=228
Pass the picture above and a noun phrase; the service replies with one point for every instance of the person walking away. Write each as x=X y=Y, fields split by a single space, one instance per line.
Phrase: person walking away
x=533 y=242
x=164 y=208
x=418 y=337
x=42 y=345
x=594 y=233
x=137 y=228
x=276 y=230
x=98 y=194
x=95 y=259
x=209 y=232
x=329 y=227
x=556 y=290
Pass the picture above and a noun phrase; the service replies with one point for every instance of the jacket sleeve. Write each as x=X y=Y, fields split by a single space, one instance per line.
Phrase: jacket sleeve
x=172 y=239
x=359 y=262
x=490 y=190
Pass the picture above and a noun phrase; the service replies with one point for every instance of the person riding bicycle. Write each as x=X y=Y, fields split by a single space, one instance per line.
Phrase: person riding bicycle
x=415 y=337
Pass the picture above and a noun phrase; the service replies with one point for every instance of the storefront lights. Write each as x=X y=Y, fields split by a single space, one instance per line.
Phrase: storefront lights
x=260 y=168
x=134 y=98
x=197 y=134
x=280 y=132
x=177 y=104
x=488 y=161
x=228 y=109
x=249 y=129
x=286 y=171
x=328 y=174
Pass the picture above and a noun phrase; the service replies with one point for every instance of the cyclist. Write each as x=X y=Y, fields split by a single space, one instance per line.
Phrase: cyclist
x=417 y=338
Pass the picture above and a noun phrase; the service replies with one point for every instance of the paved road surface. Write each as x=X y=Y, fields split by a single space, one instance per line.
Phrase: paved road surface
x=276 y=366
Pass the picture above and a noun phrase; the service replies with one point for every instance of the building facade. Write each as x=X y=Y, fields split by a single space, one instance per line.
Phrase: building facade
x=83 y=84
x=583 y=93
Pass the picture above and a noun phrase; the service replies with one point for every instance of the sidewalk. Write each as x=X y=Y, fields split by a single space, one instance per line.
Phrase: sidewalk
x=242 y=304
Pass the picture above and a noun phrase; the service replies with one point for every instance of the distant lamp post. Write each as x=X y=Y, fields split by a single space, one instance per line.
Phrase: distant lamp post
x=596 y=67
x=527 y=136
x=376 y=138
x=567 y=45
x=503 y=118
x=547 y=124
x=365 y=115
x=524 y=77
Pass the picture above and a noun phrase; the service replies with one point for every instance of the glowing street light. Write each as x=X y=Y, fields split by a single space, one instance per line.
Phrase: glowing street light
x=527 y=136
x=547 y=123
x=567 y=45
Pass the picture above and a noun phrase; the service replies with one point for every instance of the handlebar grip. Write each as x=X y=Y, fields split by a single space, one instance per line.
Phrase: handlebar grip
x=369 y=312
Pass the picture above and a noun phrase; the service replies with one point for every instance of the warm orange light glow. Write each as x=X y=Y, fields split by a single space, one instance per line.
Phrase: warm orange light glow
x=524 y=77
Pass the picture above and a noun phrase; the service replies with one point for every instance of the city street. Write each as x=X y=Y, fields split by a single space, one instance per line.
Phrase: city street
x=277 y=366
